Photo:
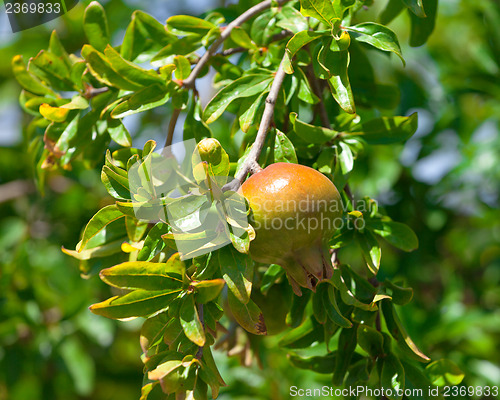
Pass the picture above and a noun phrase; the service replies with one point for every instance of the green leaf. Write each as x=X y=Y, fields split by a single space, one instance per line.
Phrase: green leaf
x=422 y=28
x=182 y=67
x=51 y=69
x=194 y=126
x=326 y=11
x=370 y=340
x=116 y=184
x=190 y=321
x=370 y=250
x=291 y=19
x=208 y=290
x=392 y=377
x=318 y=307
x=153 y=29
x=153 y=329
x=142 y=275
x=346 y=346
x=444 y=372
x=283 y=149
x=298 y=41
x=345 y=158
x=133 y=41
x=379 y=36
x=415 y=379
x=145 y=99
x=95 y=25
x=305 y=93
x=398 y=332
x=241 y=38
x=334 y=58
x=332 y=308
x=187 y=24
x=184 y=46
x=311 y=133
x=135 y=228
x=98 y=222
x=248 y=314
x=104 y=72
x=272 y=274
x=387 y=130
x=139 y=303
x=347 y=295
x=392 y=9
x=153 y=243
x=237 y=270
x=320 y=364
x=27 y=80
x=249 y=108
x=131 y=71
x=79 y=363
x=303 y=336
x=119 y=133
x=56 y=48
x=396 y=233
x=416 y=7
x=400 y=295
x=296 y=314
x=246 y=86
x=110 y=248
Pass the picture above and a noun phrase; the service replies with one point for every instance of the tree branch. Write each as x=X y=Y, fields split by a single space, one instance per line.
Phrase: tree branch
x=323 y=113
x=251 y=165
x=251 y=12
x=171 y=127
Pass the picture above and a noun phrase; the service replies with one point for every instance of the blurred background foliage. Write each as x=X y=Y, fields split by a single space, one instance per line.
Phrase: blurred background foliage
x=444 y=183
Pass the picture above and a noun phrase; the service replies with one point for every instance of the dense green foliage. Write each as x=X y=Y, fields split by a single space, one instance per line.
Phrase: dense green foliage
x=353 y=329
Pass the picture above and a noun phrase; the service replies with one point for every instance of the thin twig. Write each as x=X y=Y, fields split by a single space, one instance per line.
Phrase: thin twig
x=199 y=353
x=231 y=51
x=251 y=165
x=171 y=127
x=91 y=92
x=15 y=189
x=323 y=113
x=251 y=12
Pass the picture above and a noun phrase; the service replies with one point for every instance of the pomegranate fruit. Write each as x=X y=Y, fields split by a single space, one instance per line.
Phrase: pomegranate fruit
x=294 y=210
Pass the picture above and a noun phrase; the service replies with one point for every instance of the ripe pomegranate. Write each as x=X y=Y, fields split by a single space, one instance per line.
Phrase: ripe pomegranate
x=294 y=210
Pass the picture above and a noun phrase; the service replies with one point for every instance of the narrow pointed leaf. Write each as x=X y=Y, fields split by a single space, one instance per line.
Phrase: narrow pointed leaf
x=392 y=377
x=379 y=36
x=248 y=315
x=190 y=321
x=237 y=271
x=95 y=25
x=245 y=86
x=98 y=222
x=142 y=275
x=399 y=333
x=138 y=303
x=387 y=130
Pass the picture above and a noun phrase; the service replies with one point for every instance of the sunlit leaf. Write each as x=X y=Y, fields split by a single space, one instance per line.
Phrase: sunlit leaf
x=95 y=25
x=248 y=314
x=190 y=321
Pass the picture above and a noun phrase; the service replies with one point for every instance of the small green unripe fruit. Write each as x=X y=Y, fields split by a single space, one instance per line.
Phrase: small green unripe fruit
x=295 y=210
x=210 y=151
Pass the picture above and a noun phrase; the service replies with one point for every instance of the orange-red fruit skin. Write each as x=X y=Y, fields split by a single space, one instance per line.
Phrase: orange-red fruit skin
x=295 y=210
